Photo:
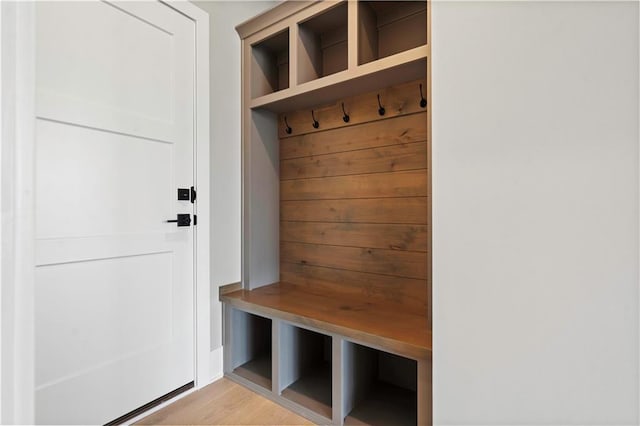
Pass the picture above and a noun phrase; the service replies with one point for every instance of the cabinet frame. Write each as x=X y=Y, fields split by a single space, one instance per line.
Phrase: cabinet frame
x=260 y=181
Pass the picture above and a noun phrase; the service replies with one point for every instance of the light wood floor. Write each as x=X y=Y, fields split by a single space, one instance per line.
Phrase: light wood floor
x=224 y=403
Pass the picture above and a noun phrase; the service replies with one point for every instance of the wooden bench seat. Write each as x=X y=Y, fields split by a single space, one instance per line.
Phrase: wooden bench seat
x=372 y=323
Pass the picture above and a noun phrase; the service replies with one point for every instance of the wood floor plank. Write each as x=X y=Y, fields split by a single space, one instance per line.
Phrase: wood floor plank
x=400 y=130
x=388 y=262
x=224 y=403
x=410 y=156
x=377 y=185
x=409 y=210
x=383 y=236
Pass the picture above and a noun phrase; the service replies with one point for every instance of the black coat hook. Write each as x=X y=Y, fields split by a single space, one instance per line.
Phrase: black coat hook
x=381 y=110
x=287 y=129
x=345 y=117
x=423 y=101
x=315 y=122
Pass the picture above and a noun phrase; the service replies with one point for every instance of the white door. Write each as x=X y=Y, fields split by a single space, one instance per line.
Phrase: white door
x=114 y=141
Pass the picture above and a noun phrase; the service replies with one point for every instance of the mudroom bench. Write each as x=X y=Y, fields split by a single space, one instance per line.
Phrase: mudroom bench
x=333 y=359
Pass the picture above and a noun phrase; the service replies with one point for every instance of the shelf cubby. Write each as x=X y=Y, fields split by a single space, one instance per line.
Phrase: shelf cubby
x=389 y=27
x=251 y=356
x=381 y=388
x=270 y=64
x=305 y=368
x=322 y=44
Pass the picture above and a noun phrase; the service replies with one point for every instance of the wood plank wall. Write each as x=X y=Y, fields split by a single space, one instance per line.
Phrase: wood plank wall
x=354 y=199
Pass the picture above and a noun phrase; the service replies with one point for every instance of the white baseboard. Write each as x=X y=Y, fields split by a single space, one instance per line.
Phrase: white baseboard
x=215 y=365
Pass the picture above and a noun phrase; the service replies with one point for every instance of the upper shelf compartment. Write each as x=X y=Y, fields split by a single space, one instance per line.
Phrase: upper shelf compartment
x=322 y=44
x=401 y=68
x=338 y=49
x=270 y=65
x=389 y=27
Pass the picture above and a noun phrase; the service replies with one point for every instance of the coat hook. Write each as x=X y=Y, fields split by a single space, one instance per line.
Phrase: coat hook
x=287 y=129
x=315 y=122
x=423 y=101
x=345 y=117
x=381 y=110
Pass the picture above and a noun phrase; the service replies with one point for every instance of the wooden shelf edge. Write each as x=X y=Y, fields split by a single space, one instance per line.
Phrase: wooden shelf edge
x=399 y=68
x=229 y=288
x=357 y=336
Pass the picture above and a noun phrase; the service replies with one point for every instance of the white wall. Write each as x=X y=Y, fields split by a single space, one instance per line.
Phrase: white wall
x=535 y=161
x=225 y=145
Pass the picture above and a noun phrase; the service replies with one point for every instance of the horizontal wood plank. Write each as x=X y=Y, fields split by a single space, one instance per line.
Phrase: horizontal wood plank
x=400 y=130
x=388 y=262
x=397 y=101
x=405 y=293
x=410 y=210
x=354 y=200
x=383 y=236
x=375 y=160
x=229 y=288
x=377 y=185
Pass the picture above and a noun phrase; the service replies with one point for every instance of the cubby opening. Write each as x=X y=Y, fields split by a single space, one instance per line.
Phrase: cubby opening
x=270 y=67
x=251 y=356
x=380 y=388
x=323 y=44
x=305 y=368
x=389 y=27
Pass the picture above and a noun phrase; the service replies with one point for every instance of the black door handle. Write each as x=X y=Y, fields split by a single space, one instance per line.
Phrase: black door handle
x=183 y=219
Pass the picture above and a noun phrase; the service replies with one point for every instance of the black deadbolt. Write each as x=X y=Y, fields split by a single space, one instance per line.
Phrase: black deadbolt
x=184 y=194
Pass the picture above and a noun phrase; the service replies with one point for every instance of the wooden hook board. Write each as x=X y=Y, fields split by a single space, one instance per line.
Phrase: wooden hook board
x=397 y=100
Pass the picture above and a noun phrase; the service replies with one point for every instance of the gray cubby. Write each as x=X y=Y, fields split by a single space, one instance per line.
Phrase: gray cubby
x=379 y=388
x=306 y=368
x=389 y=27
x=323 y=44
x=251 y=351
x=270 y=64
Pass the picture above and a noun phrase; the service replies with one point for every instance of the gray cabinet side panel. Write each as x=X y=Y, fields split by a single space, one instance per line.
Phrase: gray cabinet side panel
x=264 y=207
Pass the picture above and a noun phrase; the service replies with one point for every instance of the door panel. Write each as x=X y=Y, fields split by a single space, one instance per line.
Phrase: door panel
x=110 y=295
x=108 y=68
x=114 y=140
x=131 y=57
x=128 y=192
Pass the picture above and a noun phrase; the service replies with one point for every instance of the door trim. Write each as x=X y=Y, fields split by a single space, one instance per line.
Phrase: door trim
x=202 y=293
x=17 y=230
x=17 y=354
